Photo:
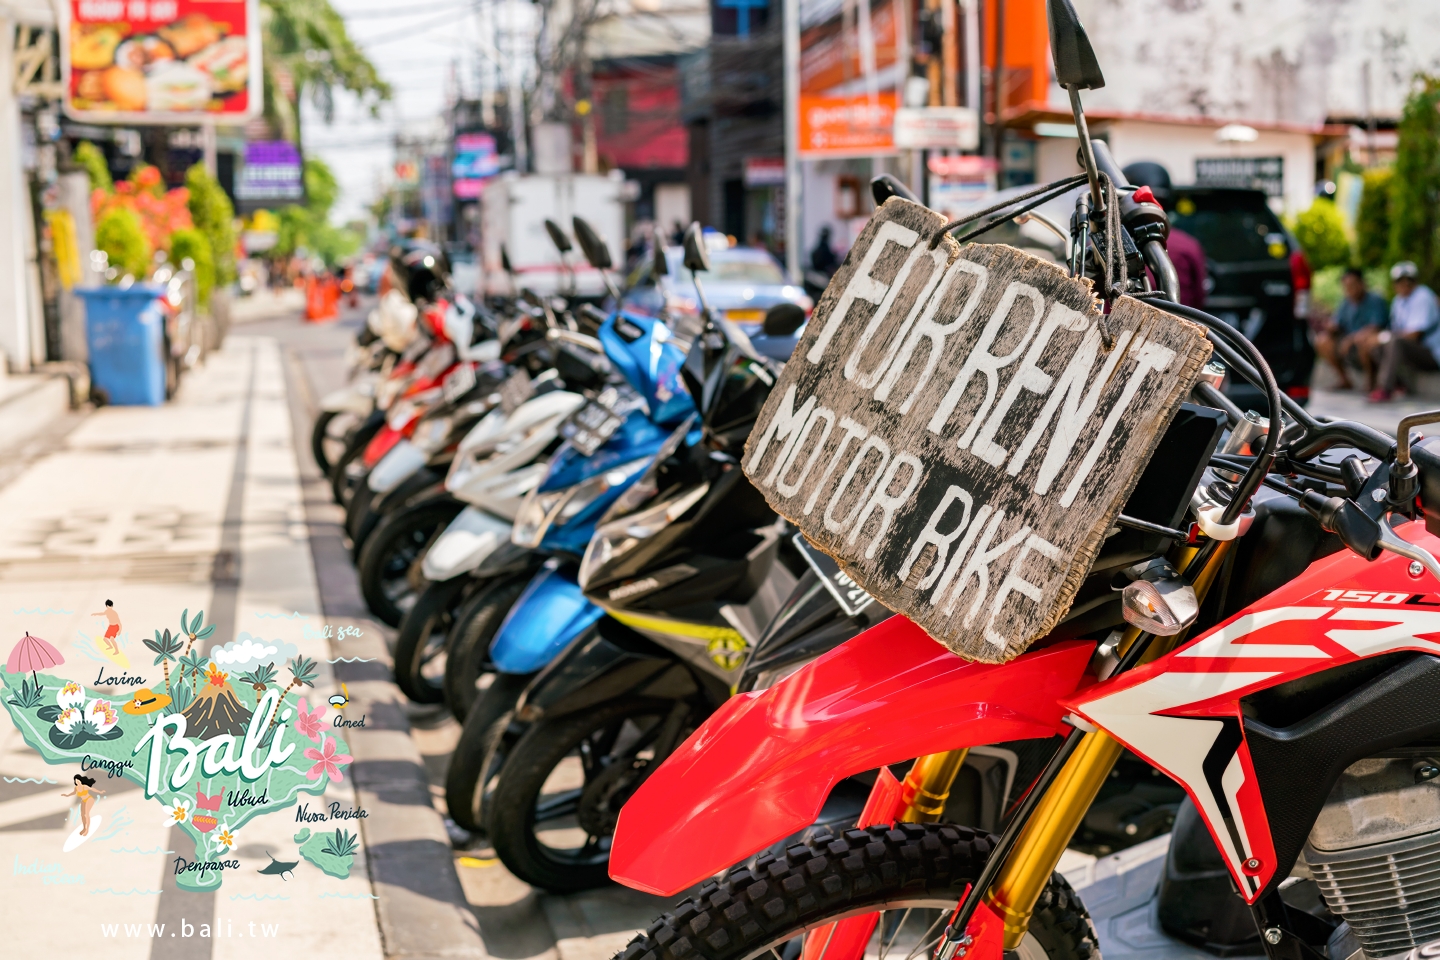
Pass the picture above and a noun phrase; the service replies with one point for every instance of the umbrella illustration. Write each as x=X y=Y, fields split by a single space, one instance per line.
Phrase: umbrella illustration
x=32 y=654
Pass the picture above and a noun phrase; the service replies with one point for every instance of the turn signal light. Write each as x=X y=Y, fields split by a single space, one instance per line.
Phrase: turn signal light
x=1160 y=602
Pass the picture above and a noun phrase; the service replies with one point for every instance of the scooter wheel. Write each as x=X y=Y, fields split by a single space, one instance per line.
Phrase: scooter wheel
x=467 y=650
x=327 y=437
x=536 y=805
x=422 y=639
x=481 y=750
x=916 y=872
x=389 y=562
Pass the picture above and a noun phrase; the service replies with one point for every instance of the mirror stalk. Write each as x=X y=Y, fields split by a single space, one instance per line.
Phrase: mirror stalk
x=1087 y=152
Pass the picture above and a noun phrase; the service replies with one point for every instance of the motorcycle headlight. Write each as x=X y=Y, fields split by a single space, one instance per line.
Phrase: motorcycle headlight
x=615 y=539
x=541 y=511
x=430 y=435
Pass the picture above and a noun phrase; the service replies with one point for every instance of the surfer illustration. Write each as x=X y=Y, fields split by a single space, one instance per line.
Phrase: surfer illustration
x=84 y=791
x=113 y=630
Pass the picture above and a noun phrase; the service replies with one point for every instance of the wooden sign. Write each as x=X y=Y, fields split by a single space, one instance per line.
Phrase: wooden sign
x=958 y=428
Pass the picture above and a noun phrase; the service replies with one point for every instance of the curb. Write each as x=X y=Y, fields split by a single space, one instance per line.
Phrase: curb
x=420 y=906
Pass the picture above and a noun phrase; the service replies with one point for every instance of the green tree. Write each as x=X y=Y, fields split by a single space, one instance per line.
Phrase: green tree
x=309 y=226
x=196 y=246
x=119 y=234
x=92 y=160
x=1415 y=190
x=1372 y=223
x=309 y=53
x=1321 y=232
x=214 y=216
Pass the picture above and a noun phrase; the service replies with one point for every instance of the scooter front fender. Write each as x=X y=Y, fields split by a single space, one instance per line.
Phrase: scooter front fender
x=761 y=767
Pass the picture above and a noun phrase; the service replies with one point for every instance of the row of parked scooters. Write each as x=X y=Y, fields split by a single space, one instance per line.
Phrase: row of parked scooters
x=546 y=500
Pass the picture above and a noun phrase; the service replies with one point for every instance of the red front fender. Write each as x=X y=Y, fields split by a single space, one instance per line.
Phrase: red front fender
x=761 y=767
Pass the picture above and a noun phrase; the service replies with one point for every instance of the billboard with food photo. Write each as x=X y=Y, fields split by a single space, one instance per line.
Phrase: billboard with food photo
x=162 y=61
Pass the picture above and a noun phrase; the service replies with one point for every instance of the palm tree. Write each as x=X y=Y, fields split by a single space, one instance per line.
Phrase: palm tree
x=194 y=665
x=191 y=628
x=165 y=647
x=260 y=678
x=302 y=673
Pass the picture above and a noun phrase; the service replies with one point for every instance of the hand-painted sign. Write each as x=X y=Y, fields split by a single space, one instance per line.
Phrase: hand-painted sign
x=959 y=427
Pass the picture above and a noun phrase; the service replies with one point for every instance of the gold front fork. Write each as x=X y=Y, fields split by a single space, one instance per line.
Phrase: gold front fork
x=1044 y=838
x=927 y=785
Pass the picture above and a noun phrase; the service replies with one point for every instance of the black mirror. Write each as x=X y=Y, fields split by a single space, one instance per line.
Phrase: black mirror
x=591 y=244
x=1075 y=65
x=557 y=236
x=885 y=186
x=505 y=260
x=697 y=258
x=659 y=266
x=783 y=319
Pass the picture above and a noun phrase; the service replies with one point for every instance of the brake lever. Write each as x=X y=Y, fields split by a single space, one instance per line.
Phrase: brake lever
x=1390 y=540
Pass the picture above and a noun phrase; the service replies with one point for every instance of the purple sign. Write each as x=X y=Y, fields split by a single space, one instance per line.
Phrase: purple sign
x=272 y=172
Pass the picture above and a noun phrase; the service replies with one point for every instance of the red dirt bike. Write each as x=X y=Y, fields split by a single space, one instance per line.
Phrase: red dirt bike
x=1302 y=719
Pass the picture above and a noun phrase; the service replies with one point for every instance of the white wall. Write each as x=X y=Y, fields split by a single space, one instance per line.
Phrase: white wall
x=15 y=212
x=1295 y=61
x=1177 y=146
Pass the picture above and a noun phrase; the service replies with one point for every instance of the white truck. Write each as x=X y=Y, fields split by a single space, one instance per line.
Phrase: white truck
x=514 y=209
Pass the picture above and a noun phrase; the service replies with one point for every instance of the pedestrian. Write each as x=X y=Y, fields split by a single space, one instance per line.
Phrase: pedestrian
x=113 y=630
x=1349 y=338
x=823 y=258
x=1413 y=340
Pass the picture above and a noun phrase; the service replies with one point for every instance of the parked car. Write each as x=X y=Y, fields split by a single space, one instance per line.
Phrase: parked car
x=743 y=283
x=1259 y=281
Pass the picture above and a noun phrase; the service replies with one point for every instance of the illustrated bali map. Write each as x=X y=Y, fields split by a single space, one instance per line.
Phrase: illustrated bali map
x=219 y=735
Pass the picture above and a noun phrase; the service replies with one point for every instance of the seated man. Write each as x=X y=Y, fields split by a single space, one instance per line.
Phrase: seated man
x=1413 y=340
x=1349 y=337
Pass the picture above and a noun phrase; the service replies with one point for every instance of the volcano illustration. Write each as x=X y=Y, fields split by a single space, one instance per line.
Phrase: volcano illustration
x=216 y=709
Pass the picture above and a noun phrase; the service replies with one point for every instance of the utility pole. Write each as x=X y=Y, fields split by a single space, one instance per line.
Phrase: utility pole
x=950 y=55
x=790 y=40
x=997 y=84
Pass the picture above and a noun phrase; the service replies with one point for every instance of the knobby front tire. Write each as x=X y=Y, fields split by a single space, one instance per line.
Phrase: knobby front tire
x=836 y=874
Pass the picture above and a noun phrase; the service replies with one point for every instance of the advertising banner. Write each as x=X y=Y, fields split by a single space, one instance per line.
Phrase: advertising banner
x=852 y=63
x=272 y=172
x=476 y=160
x=161 y=61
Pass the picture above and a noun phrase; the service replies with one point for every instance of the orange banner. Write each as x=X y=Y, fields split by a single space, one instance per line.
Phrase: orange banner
x=847 y=126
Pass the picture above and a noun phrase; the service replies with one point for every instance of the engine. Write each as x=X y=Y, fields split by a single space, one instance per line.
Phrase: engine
x=1375 y=853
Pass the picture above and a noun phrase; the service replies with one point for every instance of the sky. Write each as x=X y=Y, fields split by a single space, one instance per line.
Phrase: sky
x=413 y=46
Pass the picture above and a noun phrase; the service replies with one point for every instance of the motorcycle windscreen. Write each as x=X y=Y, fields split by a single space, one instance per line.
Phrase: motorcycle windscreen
x=760 y=768
x=644 y=351
x=550 y=613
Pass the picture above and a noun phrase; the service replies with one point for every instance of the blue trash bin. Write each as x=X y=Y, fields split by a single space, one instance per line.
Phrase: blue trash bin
x=125 y=330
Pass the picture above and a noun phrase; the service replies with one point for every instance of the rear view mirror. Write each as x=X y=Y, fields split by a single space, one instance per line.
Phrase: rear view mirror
x=557 y=236
x=697 y=258
x=1075 y=65
x=659 y=266
x=505 y=260
x=597 y=254
x=885 y=186
x=783 y=319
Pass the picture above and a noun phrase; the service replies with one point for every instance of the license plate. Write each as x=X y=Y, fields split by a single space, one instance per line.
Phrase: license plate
x=588 y=428
x=515 y=391
x=460 y=382
x=847 y=592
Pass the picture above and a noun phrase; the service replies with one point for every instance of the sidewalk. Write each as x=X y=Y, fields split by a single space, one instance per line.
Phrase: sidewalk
x=192 y=506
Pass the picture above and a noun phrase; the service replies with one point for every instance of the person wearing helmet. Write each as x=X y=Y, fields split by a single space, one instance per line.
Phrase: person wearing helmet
x=1413 y=341
x=1185 y=251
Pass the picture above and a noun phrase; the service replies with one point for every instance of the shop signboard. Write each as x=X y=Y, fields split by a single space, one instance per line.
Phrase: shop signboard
x=1249 y=173
x=181 y=62
x=959 y=427
x=764 y=171
x=273 y=173
x=852 y=60
x=476 y=160
x=937 y=128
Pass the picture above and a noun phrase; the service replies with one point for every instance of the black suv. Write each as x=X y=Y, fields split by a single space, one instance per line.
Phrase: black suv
x=1257 y=273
